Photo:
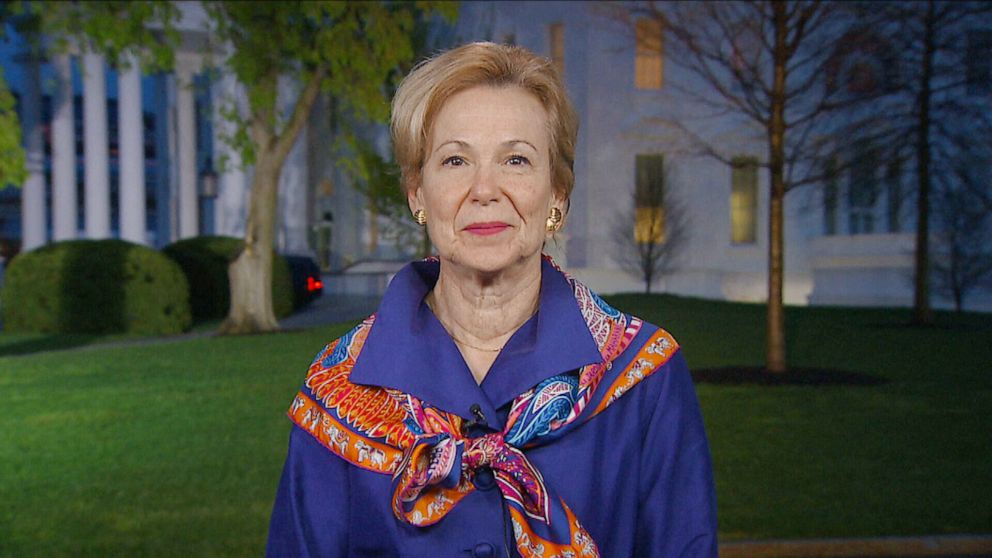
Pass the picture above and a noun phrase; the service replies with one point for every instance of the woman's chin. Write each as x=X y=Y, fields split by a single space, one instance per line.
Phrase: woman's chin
x=490 y=261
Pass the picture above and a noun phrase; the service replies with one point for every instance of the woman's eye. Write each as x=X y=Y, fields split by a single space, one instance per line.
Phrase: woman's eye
x=454 y=161
x=518 y=160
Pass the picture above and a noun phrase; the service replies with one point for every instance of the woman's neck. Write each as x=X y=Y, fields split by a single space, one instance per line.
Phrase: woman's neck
x=481 y=312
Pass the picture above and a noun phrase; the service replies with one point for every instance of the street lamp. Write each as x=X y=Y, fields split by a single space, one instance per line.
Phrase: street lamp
x=208 y=183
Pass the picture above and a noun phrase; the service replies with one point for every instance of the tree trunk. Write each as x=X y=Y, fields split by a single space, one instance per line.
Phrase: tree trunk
x=250 y=274
x=775 y=349
x=922 y=314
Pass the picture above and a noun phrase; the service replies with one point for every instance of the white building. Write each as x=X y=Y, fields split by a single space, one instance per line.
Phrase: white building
x=831 y=256
x=837 y=251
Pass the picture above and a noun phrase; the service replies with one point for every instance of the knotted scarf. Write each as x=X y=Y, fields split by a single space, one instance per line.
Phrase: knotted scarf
x=434 y=465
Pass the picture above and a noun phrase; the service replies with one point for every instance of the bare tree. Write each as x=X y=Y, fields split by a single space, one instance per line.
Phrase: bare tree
x=758 y=65
x=932 y=113
x=649 y=237
x=962 y=259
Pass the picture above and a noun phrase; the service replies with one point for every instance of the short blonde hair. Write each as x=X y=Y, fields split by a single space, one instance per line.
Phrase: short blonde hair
x=425 y=90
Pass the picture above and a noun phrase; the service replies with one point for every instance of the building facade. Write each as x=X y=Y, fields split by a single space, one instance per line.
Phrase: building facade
x=160 y=176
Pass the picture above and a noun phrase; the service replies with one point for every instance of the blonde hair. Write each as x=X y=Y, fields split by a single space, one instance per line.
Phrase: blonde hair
x=425 y=90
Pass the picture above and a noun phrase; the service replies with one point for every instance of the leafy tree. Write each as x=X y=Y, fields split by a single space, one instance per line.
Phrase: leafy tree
x=343 y=49
x=143 y=31
x=378 y=176
x=12 y=164
x=12 y=169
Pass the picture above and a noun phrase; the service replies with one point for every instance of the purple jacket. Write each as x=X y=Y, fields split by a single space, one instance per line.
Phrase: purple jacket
x=637 y=475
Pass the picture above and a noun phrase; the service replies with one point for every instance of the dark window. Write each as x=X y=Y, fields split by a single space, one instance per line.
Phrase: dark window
x=978 y=64
x=830 y=199
x=862 y=190
x=894 y=194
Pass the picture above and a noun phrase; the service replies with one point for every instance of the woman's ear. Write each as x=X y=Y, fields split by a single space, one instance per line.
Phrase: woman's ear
x=414 y=198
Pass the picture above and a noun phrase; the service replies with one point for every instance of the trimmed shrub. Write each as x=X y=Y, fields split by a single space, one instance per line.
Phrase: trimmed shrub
x=204 y=260
x=95 y=286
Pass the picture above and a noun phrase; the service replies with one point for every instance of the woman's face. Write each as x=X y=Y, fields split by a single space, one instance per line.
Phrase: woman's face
x=486 y=181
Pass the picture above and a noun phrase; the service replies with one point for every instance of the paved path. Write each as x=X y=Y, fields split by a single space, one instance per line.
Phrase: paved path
x=326 y=310
x=331 y=309
x=943 y=546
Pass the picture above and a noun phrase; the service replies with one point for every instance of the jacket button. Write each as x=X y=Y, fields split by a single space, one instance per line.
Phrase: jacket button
x=484 y=550
x=484 y=478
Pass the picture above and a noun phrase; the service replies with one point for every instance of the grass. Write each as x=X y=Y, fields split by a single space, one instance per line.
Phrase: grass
x=909 y=457
x=175 y=449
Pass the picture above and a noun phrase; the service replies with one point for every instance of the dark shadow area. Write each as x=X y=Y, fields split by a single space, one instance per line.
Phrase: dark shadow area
x=757 y=375
x=45 y=343
x=92 y=290
x=939 y=325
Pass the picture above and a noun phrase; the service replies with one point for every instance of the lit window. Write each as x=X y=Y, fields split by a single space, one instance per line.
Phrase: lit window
x=556 y=36
x=649 y=200
x=744 y=200
x=648 y=62
x=978 y=64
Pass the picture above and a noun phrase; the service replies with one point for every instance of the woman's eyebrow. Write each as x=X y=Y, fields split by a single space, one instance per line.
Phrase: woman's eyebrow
x=514 y=142
x=459 y=143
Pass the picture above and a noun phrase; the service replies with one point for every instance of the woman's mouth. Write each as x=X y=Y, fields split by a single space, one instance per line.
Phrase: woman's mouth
x=486 y=229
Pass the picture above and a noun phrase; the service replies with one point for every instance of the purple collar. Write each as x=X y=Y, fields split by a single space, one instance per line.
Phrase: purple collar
x=407 y=348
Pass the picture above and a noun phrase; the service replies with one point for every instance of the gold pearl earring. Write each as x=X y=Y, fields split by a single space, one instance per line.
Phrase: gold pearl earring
x=554 y=220
x=420 y=216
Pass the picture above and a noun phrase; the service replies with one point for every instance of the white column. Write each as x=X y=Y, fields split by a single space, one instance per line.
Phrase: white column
x=33 y=193
x=95 y=149
x=229 y=207
x=132 y=153
x=293 y=181
x=189 y=223
x=64 y=202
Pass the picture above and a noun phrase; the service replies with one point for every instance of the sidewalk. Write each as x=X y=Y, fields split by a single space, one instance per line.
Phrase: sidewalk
x=326 y=310
x=944 y=546
x=331 y=309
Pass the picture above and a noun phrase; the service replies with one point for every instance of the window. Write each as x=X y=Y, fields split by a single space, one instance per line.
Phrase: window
x=830 y=199
x=649 y=199
x=744 y=200
x=648 y=61
x=862 y=191
x=862 y=64
x=556 y=36
x=894 y=194
x=978 y=64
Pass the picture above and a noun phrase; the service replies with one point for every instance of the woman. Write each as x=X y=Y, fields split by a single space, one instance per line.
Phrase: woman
x=493 y=406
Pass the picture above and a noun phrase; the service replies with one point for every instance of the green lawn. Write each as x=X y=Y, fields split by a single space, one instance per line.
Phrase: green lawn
x=175 y=449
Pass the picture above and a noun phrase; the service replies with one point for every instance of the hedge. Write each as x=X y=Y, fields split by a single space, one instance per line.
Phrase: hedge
x=95 y=286
x=204 y=260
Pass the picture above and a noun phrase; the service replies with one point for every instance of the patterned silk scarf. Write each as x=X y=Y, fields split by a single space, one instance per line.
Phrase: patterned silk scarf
x=433 y=465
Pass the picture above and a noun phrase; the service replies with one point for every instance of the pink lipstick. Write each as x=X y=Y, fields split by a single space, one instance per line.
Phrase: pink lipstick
x=486 y=229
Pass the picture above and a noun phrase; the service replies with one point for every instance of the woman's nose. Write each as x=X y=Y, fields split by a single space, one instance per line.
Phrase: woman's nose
x=485 y=188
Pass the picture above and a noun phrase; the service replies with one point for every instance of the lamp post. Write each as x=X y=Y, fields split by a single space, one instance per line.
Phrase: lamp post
x=208 y=192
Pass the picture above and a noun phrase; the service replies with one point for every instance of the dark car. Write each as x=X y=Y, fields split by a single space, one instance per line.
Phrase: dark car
x=307 y=284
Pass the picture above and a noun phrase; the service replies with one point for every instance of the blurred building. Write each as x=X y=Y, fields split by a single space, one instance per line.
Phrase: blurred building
x=114 y=153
